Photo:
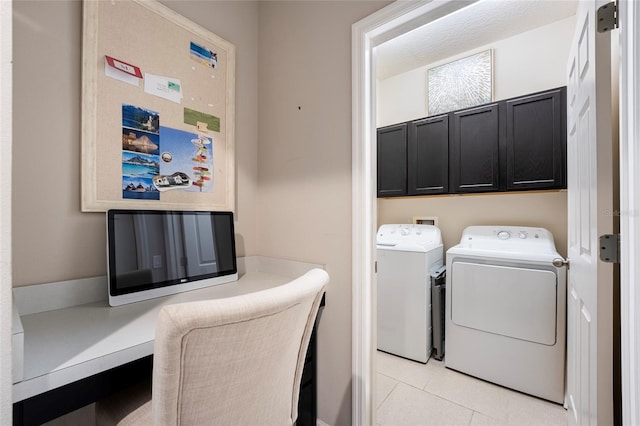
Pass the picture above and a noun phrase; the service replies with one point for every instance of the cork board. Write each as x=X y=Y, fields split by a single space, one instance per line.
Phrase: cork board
x=157 y=110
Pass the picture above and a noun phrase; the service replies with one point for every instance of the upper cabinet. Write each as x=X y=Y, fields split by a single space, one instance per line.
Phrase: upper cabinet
x=536 y=141
x=428 y=156
x=516 y=144
x=392 y=160
x=475 y=150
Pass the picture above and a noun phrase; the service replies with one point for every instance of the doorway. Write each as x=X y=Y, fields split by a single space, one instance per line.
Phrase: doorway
x=529 y=56
x=368 y=34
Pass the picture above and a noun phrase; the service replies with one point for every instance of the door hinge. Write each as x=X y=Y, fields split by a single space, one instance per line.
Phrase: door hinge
x=375 y=267
x=607 y=17
x=610 y=248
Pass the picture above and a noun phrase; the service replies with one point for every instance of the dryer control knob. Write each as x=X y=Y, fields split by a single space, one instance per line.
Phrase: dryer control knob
x=504 y=235
x=405 y=231
x=522 y=235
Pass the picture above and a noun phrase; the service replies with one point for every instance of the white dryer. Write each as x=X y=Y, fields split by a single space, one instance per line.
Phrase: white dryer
x=506 y=309
x=406 y=256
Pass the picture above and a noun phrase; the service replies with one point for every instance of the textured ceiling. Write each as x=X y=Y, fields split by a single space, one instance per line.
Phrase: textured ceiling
x=482 y=23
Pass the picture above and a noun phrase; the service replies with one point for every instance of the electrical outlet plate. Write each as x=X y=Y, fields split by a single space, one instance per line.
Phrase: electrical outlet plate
x=425 y=220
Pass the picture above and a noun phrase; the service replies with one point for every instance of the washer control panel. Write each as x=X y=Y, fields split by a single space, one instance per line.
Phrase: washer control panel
x=397 y=234
x=504 y=235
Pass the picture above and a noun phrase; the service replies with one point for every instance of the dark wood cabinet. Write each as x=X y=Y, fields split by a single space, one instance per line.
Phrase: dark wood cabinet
x=392 y=160
x=428 y=156
x=475 y=150
x=511 y=145
x=536 y=141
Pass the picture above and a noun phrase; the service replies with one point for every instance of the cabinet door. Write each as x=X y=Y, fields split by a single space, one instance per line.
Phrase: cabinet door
x=428 y=156
x=536 y=141
x=392 y=160
x=474 y=165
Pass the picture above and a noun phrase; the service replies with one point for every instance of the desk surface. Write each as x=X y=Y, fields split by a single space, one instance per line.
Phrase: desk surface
x=67 y=345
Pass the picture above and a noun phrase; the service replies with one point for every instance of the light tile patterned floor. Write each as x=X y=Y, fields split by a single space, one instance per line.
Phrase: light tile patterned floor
x=413 y=394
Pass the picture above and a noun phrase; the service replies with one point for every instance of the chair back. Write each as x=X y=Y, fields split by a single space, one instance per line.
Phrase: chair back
x=235 y=361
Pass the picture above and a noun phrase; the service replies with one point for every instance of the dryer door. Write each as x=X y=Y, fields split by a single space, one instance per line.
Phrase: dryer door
x=511 y=301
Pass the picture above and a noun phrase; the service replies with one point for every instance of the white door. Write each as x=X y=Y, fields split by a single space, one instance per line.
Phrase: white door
x=590 y=207
x=201 y=252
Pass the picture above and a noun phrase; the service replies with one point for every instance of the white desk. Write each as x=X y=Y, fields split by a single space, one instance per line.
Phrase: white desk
x=66 y=345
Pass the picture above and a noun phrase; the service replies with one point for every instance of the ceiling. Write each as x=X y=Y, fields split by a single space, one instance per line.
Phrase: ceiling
x=479 y=24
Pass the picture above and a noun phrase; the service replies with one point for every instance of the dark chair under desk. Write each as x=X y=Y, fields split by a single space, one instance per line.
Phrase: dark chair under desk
x=233 y=361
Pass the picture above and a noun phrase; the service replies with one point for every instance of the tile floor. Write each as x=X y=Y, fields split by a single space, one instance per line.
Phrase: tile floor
x=413 y=394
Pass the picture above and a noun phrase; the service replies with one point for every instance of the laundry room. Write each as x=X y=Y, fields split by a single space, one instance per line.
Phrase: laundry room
x=529 y=61
x=525 y=52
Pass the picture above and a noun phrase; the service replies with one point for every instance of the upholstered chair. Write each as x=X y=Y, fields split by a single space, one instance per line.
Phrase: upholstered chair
x=232 y=361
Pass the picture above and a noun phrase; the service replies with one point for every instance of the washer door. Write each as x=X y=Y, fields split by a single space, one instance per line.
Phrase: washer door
x=510 y=301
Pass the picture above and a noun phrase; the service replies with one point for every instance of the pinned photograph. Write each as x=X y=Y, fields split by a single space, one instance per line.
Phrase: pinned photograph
x=139 y=141
x=137 y=188
x=140 y=152
x=203 y=55
x=136 y=164
x=187 y=161
x=137 y=118
x=202 y=121
x=177 y=180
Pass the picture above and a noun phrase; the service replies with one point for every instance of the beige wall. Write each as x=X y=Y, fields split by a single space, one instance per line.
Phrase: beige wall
x=293 y=176
x=304 y=168
x=525 y=63
x=547 y=209
x=52 y=239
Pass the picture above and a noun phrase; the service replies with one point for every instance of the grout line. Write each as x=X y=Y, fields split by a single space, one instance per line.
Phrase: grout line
x=400 y=381
x=386 y=375
x=473 y=413
x=450 y=401
x=434 y=395
x=390 y=392
x=511 y=394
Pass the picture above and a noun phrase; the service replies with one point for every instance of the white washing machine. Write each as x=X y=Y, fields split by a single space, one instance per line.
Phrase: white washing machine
x=406 y=255
x=506 y=309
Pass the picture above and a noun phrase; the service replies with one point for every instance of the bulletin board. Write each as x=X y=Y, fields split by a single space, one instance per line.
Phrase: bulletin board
x=158 y=101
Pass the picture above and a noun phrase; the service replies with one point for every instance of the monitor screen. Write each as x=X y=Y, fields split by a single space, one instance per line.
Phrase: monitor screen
x=156 y=253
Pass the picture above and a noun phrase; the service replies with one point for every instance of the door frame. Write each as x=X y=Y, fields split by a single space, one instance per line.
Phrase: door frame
x=6 y=19
x=392 y=21
x=629 y=16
